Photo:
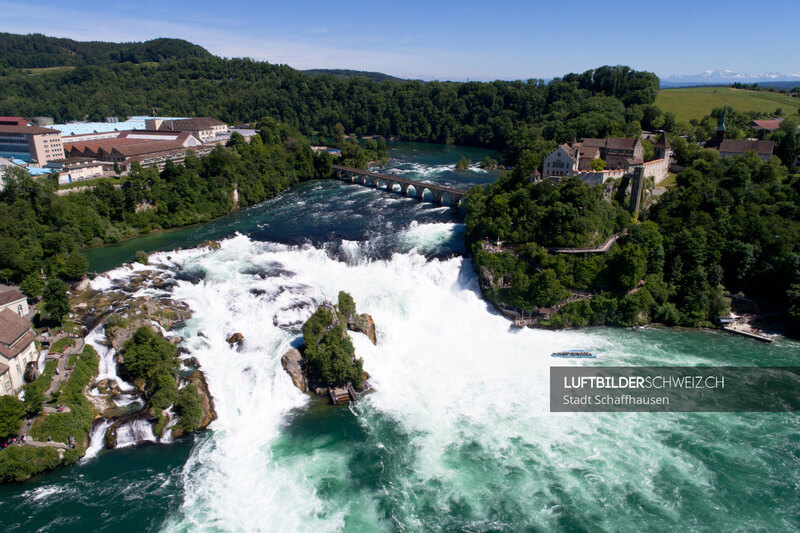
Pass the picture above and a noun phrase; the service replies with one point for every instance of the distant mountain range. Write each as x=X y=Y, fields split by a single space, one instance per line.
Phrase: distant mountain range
x=725 y=77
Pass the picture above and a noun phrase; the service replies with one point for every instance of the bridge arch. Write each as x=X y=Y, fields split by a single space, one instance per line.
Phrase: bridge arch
x=408 y=193
x=422 y=194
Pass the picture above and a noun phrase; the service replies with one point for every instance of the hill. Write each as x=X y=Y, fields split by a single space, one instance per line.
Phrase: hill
x=697 y=102
x=40 y=51
x=345 y=74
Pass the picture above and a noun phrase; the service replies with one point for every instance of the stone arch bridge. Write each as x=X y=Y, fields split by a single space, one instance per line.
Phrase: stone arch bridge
x=438 y=194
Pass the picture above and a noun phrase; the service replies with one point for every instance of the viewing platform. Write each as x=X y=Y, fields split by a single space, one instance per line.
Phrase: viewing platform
x=438 y=194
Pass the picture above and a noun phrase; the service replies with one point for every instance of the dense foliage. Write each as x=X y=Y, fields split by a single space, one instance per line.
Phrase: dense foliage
x=78 y=421
x=152 y=360
x=39 y=51
x=40 y=229
x=189 y=407
x=735 y=222
x=730 y=224
x=18 y=463
x=506 y=115
x=12 y=411
x=328 y=352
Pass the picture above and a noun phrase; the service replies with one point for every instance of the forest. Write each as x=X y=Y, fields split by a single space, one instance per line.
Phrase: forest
x=506 y=115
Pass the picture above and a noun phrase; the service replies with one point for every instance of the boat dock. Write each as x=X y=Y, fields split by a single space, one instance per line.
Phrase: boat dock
x=748 y=331
x=342 y=395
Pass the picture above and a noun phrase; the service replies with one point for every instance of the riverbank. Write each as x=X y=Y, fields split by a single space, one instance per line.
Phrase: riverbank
x=89 y=406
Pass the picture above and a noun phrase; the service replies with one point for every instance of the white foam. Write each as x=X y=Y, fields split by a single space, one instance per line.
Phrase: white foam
x=442 y=364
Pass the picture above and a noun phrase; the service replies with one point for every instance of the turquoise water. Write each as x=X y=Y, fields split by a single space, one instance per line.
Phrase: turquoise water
x=456 y=436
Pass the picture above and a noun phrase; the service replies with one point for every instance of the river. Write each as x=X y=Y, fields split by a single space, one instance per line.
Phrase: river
x=457 y=435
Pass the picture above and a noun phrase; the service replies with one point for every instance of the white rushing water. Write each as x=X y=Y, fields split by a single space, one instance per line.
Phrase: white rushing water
x=134 y=432
x=96 y=440
x=444 y=369
x=108 y=364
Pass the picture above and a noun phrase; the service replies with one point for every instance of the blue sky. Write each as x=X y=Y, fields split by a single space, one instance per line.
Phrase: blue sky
x=447 y=39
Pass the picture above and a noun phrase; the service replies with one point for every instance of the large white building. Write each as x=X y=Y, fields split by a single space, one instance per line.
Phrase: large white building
x=17 y=350
x=11 y=298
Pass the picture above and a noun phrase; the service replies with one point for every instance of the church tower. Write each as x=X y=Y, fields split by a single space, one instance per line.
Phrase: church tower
x=720 y=136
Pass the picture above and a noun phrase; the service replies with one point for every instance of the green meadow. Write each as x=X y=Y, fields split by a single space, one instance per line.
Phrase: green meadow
x=697 y=102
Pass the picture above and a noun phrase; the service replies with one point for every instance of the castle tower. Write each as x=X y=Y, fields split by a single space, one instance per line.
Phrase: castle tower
x=662 y=149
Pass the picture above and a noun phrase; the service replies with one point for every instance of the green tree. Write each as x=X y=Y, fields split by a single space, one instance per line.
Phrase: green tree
x=598 y=164
x=12 y=412
x=74 y=266
x=546 y=288
x=32 y=286
x=56 y=303
x=347 y=306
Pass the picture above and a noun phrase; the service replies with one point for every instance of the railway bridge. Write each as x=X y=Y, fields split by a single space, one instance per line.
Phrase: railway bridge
x=438 y=194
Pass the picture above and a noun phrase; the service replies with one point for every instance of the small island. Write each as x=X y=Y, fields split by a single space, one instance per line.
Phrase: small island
x=327 y=363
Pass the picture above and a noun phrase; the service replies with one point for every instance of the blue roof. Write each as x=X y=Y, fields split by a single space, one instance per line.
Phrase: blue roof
x=33 y=171
x=19 y=162
x=83 y=128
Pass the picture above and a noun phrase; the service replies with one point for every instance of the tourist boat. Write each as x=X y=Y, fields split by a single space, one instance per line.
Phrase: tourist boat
x=574 y=353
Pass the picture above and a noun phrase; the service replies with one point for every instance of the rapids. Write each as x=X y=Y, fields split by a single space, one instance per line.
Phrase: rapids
x=457 y=435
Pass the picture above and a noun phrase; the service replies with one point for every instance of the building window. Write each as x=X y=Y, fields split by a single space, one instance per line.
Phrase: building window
x=19 y=310
x=8 y=384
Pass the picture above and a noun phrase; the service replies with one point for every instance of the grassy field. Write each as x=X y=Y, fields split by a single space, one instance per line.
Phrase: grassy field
x=697 y=102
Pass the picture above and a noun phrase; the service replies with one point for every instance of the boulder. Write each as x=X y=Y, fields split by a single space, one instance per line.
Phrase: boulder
x=292 y=362
x=236 y=338
x=365 y=325
x=108 y=386
x=209 y=412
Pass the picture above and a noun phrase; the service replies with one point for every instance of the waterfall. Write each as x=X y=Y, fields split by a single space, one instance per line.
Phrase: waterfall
x=108 y=365
x=97 y=439
x=134 y=432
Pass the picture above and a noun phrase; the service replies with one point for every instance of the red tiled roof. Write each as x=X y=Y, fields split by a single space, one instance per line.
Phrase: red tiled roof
x=742 y=146
x=147 y=147
x=190 y=124
x=13 y=121
x=769 y=125
x=30 y=130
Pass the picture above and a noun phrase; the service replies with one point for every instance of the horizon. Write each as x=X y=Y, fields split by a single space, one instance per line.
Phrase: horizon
x=425 y=42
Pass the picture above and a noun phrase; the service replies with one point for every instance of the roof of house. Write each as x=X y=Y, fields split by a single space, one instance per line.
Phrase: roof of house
x=190 y=124
x=769 y=125
x=142 y=148
x=3 y=368
x=15 y=334
x=592 y=152
x=10 y=295
x=614 y=143
x=30 y=130
x=742 y=146
x=662 y=141
x=620 y=143
x=13 y=121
